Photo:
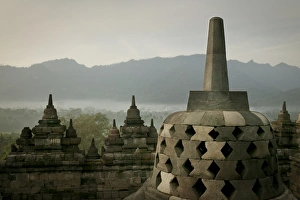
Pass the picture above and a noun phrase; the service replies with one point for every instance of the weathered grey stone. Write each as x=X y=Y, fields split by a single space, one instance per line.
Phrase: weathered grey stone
x=259 y=149
x=200 y=168
x=190 y=149
x=194 y=117
x=239 y=151
x=213 y=118
x=202 y=133
x=233 y=118
x=165 y=185
x=225 y=133
x=213 y=189
x=214 y=151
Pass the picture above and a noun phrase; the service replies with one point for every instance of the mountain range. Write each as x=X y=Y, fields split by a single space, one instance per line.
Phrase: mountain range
x=154 y=80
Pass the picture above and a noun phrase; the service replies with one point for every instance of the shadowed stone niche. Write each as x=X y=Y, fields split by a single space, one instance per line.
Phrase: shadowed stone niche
x=217 y=148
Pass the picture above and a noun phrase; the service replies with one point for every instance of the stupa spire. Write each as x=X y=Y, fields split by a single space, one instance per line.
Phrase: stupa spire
x=133 y=102
x=50 y=102
x=114 y=123
x=216 y=75
x=284 y=107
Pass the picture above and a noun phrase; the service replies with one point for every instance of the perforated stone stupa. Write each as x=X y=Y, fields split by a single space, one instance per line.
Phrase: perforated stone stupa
x=217 y=148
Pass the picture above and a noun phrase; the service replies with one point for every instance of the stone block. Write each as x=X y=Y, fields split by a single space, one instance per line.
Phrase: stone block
x=239 y=150
x=243 y=189
x=249 y=133
x=181 y=166
x=259 y=149
x=194 y=118
x=169 y=149
x=213 y=118
x=44 y=176
x=233 y=118
x=228 y=170
x=264 y=120
x=165 y=186
x=201 y=168
x=225 y=134
x=164 y=163
x=58 y=129
x=107 y=194
x=180 y=132
x=268 y=134
x=167 y=131
x=123 y=194
x=253 y=168
x=190 y=149
x=213 y=189
x=153 y=194
x=253 y=118
x=214 y=151
x=202 y=133
x=186 y=188
x=47 y=130
x=155 y=180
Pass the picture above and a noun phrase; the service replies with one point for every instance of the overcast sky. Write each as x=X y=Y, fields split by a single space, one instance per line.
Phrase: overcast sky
x=97 y=32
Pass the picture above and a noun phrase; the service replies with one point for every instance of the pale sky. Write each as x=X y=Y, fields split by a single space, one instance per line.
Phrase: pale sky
x=98 y=32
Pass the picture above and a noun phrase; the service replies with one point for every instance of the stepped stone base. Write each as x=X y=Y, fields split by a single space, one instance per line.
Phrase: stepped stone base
x=148 y=193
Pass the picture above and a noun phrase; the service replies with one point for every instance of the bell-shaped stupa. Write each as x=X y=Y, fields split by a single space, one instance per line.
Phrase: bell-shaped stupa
x=218 y=148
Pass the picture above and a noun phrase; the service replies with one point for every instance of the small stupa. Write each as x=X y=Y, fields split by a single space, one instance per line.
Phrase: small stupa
x=217 y=148
x=48 y=134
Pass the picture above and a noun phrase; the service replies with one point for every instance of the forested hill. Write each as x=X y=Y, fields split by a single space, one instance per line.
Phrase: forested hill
x=160 y=80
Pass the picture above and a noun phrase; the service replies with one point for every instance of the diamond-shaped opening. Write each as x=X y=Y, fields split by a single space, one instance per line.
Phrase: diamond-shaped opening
x=172 y=130
x=260 y=132
x=228 y=189
x=201 y=148
x=190 y=131
x=179 y=148
x=214 y=168
x=214 y=134
x=252 y=149
x=169 y=165
x=158 y=179
x=271 y=148
x=275 y=183
x=257 y=189
x=240 y=168
x=161 y=129
x=237 y=132
x=199 y=188
x=226 y=150
x=156 y=159
x=174 y=184
x=266 y=168
x=187 y=166
x=163 y=146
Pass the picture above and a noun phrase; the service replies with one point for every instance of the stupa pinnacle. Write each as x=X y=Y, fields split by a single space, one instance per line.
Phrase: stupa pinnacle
x=216 y=77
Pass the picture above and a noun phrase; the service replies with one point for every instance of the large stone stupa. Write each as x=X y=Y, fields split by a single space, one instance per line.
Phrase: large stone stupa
x=217 y=148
